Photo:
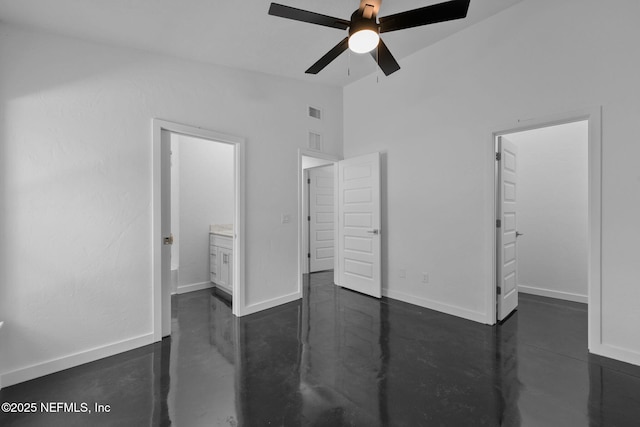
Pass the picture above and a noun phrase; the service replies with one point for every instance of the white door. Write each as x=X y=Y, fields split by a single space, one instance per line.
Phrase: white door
x=321 y=218
x=165 y=226
x=507 y=256
x=359 y=254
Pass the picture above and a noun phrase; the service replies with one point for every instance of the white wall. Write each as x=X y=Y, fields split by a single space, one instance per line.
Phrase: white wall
x=553 y=190
x=434 y=118
x=76 y=187
x=206 y=197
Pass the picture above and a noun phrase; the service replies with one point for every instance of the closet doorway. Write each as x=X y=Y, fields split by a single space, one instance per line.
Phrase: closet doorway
x=316 y=235
x=547 y=230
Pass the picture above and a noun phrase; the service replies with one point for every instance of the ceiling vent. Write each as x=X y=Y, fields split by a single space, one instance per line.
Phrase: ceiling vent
x=315 y=141
x=315 y=113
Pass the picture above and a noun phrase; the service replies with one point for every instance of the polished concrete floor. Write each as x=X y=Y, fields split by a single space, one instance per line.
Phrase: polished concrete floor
x=338 y=358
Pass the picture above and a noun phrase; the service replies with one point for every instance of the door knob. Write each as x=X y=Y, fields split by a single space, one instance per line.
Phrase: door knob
x=519 y=234
x=374 y=231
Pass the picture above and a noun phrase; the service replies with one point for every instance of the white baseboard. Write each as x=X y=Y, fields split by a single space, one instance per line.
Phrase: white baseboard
x=51 y=366
x=264 y=305
x=437 y=306
x=174 y=281
x=183 y=289
x=568 y=296
x=617 y=353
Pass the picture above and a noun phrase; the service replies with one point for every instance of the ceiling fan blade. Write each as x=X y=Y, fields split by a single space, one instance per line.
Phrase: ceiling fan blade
x=447 y=11
x=305 y=16
x=329 y=56
x=385 y=59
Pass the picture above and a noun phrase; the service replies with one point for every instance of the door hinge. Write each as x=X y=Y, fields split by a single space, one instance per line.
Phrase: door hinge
x=498 y=156
x=308 y=180
x=498 y=223
x=168 y=240
x=308 y=255
x=499 y=290
x=309 y=218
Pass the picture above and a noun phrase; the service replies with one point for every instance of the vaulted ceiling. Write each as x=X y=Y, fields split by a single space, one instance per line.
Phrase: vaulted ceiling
x=235 y=33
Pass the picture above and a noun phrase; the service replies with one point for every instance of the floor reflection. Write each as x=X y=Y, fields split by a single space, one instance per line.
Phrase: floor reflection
x=343 y=370
x=203 y=365
x=339 y=358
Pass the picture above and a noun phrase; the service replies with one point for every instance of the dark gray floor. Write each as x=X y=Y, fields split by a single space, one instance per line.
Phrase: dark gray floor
x=338 y=358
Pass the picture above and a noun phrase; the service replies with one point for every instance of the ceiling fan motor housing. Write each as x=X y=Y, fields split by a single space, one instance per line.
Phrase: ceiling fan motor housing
x=359 y=22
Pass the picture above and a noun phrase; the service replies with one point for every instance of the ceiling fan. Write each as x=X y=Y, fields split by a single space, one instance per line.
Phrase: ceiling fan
x=364 y=30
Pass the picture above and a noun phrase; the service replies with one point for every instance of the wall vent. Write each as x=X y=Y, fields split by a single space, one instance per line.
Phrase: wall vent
x=315 y=141
x=315 y=113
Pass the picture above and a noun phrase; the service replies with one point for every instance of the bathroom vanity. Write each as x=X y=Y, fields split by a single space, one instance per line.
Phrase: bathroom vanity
x=221 y=256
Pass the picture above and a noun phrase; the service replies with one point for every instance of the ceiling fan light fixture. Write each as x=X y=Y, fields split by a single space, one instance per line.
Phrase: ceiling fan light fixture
x=363 y=41
x=364 y=28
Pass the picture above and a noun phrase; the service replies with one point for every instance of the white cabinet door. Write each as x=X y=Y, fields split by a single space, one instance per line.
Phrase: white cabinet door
x=225 y=272
x=213 y=263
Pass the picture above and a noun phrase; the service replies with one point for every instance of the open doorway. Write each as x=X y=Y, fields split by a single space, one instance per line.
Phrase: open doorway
x=357 y=254
x=547 y=207
x=543 y=190
x=210 y=243
x=202 y=215
x=553 y=193
x=318 y=215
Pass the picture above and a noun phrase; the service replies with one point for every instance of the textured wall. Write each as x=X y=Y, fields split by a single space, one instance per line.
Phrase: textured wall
x=76 y=185
x=434 y=119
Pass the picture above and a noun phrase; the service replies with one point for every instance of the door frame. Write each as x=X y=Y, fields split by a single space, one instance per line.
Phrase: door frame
x=593 y=116
x=301 y=183
x=158 y=126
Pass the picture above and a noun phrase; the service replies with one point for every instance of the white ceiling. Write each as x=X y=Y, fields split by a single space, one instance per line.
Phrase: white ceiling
x=236 y=33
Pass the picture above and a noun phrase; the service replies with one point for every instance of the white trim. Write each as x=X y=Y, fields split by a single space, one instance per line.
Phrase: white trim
x=73 y=360
x=453 y=310
x=567 y=296
x=305 y=201
x=158 y=126
x=183 y=289
x=301 y=183
x=617 y=353
x=594 y=117
x=271 y=303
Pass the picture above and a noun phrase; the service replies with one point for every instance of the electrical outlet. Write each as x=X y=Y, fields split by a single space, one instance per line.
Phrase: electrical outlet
x=425 y=278
x=402 y=273
x=285 y=218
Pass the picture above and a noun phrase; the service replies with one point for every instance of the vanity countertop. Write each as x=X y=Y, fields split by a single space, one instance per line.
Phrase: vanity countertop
x=221 y=229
